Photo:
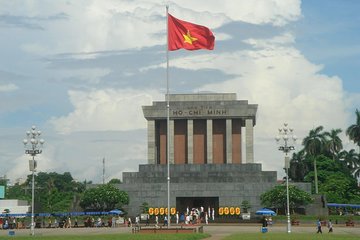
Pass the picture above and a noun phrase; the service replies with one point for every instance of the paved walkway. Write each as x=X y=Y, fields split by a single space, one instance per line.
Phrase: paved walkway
x=217 y=232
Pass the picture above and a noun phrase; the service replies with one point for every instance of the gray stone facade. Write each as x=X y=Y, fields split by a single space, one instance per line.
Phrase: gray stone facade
x=230 y=183
x=209 y=106
x=194 y=183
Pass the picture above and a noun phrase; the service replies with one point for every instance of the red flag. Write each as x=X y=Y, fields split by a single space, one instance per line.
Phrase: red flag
x=189 y=36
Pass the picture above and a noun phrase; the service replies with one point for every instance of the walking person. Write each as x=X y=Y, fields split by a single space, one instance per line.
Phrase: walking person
x=147 y=220
x=330 y=226
x=49 y=222
x=165 y=221
x=137 y=221
x=318 y=224
x=69 y=223
x=156 y=221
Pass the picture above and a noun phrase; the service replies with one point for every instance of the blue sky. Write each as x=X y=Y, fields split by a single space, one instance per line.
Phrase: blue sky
x=328 y=34
x=81 y=70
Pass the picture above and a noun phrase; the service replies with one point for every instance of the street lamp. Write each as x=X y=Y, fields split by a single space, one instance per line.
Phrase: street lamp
x=286 y=135
x=33 y=149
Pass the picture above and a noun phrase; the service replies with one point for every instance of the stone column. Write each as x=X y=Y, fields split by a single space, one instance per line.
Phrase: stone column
x=209 y=140
x=151 y=142
x=171 y=148
x=228 y=141
x=190 y=141
x=249 y=140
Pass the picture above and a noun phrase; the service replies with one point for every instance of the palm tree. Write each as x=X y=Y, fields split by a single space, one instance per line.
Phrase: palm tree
x=333 y=142
x=354 y=130
x=314 y=145
x=356 y=169
x=348 y=158
x=351 y=160
x=298 y=166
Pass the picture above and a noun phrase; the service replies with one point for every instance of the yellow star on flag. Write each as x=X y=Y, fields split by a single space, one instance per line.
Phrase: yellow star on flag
x=188 y=38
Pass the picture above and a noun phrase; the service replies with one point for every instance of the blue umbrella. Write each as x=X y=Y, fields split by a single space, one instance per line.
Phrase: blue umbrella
x=116 y=211
x=265 y=211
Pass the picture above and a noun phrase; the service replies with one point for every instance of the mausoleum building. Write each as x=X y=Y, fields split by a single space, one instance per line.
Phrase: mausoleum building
x=208 y=166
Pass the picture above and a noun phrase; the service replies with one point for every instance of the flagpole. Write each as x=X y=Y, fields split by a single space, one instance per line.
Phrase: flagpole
x=168 y=115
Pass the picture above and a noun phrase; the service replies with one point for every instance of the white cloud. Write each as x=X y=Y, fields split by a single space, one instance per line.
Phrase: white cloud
x=102 y=110
x=85 y=75
x=8 y=87
x=277 y=41
x=276 y=12
x=34 y=48
x=88 y=26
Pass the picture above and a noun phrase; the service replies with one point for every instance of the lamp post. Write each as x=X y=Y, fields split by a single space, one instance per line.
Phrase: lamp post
x=286 y=135
x=33 y=149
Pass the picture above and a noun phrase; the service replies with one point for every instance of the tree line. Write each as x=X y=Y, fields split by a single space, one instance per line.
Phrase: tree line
x=332 y=170
x=56 y=192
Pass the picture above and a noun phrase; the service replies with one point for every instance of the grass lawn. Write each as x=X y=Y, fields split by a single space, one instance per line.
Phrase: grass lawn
x=286 y=236
x=184 y=236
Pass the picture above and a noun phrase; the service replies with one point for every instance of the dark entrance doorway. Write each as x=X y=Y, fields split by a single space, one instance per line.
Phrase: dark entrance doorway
x=196 y=202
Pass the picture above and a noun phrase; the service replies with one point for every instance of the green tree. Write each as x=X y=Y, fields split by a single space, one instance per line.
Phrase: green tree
x=321 y=158
x=333 y=142
x=314 y=145
x=277 y=197
x=356 y=170
x=336 y=180
x=115 y=181
x=349 y=158
x=352 y=161
x=104 y=198
x=339 y=188
x=299 y=166
x=144 y=208
x=17 y=191
x=54 y=192
x=353 y=131
x=245 y=205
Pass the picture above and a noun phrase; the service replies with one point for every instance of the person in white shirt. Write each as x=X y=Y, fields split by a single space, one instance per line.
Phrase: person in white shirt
x=187 y=219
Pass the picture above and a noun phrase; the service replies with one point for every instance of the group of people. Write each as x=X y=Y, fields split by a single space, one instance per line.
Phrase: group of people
x=319 y=225
x=190 y=216
x=9 y=223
